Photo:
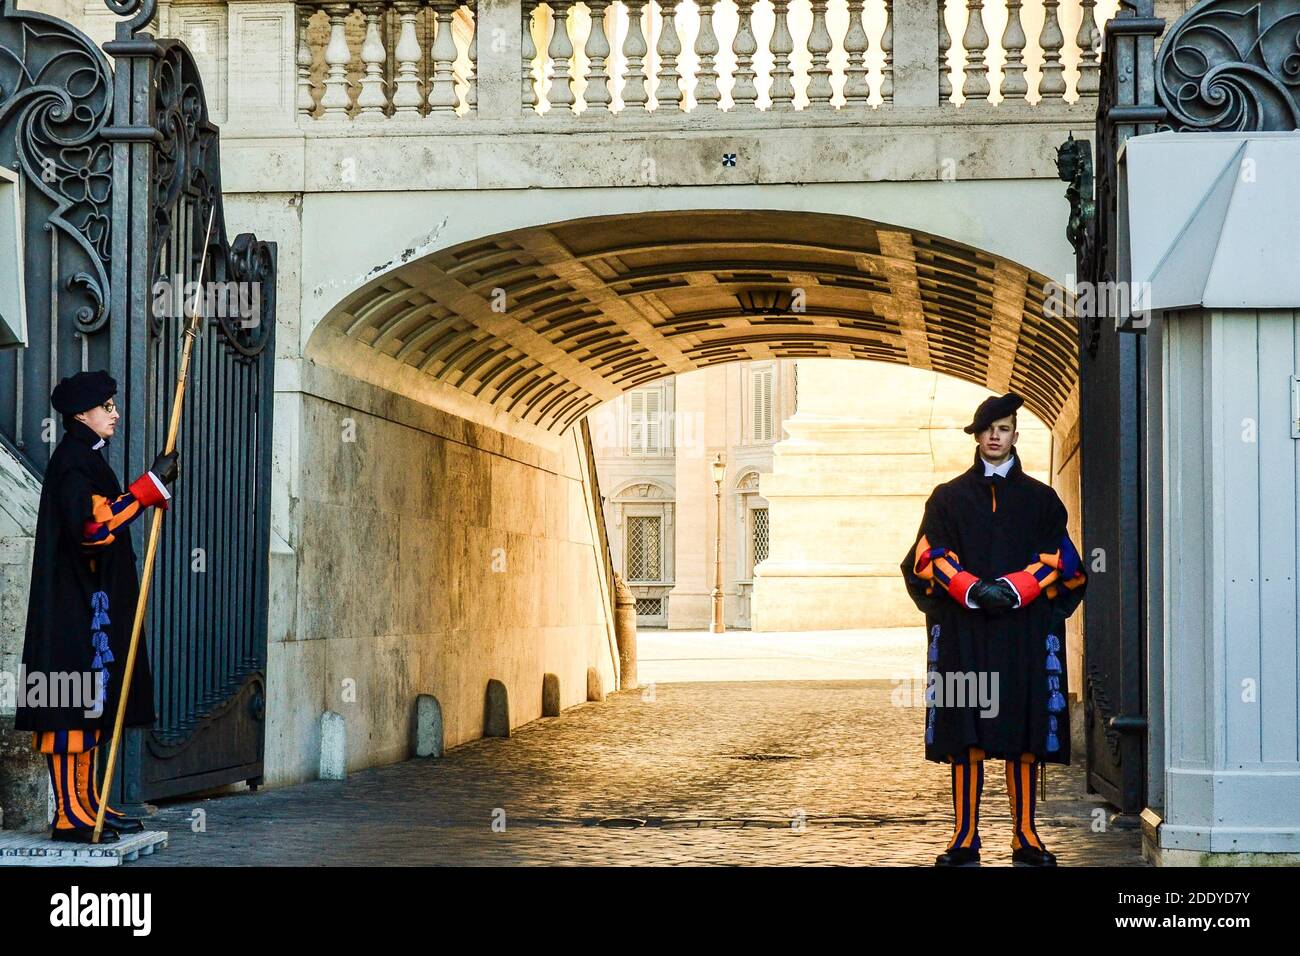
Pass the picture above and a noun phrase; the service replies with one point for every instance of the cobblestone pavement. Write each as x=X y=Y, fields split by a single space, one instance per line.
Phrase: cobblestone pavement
x=702 y=773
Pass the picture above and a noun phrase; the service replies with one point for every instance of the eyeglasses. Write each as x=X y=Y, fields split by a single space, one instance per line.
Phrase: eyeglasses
x=109 y=406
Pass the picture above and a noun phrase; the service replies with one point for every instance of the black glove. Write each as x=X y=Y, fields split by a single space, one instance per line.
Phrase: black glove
x=993 y=595
x=166 y=467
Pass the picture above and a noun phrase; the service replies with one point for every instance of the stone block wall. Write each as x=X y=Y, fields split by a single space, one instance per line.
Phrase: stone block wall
x=426 y=555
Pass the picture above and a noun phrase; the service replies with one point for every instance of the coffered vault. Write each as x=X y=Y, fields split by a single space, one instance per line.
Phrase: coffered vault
x=547 y=323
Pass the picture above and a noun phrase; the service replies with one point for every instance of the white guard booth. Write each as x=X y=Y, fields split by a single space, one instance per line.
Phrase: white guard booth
x=1209 y=246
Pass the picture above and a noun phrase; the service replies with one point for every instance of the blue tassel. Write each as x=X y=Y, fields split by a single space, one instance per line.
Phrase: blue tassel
x=1052 y=743
x=101 y=645
x=99 y=601
x=1053 y=643
x=1056 y=703
x=933 y=656
x=103 y=655
x=929 y=735
x=1053 y=664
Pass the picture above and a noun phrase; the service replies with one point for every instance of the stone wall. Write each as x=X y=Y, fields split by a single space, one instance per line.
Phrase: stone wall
x=425 y=555
x=22 y=773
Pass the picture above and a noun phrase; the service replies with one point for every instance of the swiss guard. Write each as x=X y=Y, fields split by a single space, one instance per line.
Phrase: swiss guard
x=995 y=572
x=84 y=588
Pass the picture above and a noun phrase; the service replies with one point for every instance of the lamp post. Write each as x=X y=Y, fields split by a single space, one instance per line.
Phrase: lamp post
x=719 y=472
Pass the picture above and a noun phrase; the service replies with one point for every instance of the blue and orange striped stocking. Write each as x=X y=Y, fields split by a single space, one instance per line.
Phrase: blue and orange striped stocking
x=967 y=787
x=1021 y=775
x=62 y=749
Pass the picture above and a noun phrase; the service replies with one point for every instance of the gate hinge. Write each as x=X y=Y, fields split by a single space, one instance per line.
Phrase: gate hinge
x=1295 y=407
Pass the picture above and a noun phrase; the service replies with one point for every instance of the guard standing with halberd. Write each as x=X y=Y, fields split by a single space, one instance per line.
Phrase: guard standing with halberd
x=84 y=588
x=996 y=574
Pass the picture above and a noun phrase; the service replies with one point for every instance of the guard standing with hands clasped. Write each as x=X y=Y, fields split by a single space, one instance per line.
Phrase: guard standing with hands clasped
x=996 y=574
x=80 y=612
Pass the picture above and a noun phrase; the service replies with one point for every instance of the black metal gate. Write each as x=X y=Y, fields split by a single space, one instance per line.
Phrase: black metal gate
x=120 y=170
x=1112 y=389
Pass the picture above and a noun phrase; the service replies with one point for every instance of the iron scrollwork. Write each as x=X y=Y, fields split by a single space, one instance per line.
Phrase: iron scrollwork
x=56 y=88
x=187 y=187
x=1232 y=65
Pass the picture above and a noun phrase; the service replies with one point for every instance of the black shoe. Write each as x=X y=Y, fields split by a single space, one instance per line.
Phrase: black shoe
x=123 y=824
x=1028 y=856
x=83 y=835
x=958 y=856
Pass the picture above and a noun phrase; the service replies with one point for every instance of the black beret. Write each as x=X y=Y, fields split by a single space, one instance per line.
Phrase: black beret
x=82 y=391
x=991 y=409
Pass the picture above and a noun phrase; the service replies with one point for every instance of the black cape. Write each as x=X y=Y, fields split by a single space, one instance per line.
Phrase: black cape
x=1018 y=655
x=65 y=578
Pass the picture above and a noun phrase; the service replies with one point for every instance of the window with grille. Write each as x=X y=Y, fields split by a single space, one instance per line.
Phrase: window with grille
x=760 y=535
x=644 y=550
x=761 y=384
x=649 y=607
x=645 y=407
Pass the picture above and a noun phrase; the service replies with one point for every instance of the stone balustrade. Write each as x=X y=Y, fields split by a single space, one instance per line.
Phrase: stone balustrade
x=379 y=61
x=420 y=59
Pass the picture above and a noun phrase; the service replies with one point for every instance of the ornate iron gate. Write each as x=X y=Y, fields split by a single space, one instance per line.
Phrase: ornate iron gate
x=120 y=170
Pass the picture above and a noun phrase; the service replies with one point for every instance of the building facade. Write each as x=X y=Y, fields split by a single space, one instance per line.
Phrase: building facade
x=819 y=498
x=653 y=447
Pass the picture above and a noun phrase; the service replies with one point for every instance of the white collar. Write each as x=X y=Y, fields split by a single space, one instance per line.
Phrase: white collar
x=1001 y=470
x=99 y=444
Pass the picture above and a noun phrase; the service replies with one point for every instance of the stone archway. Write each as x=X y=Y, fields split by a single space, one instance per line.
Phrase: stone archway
x=545 y=323
x=456 y=379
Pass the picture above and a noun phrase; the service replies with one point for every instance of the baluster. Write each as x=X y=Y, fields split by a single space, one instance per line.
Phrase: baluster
x=819 y=71
x=442 y=85
x=471 y=81
x=373 y=97
x=856 y=89
x=335 y=100
x=597 y=92
x=887 y=47
x=306 y=105
x=634 y=50
x=782 y=46
x=1014 y=86
x=560 y=51
x=744 y=93
x=706 y=48
x=668 y=94
x=406 y=97
x=975 y=41
x=528 y=53
x=1052 y=84
x=1088 y=52
x=945 y=44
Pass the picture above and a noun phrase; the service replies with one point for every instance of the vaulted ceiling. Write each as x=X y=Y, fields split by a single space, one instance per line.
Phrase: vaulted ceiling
x=547 y=323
